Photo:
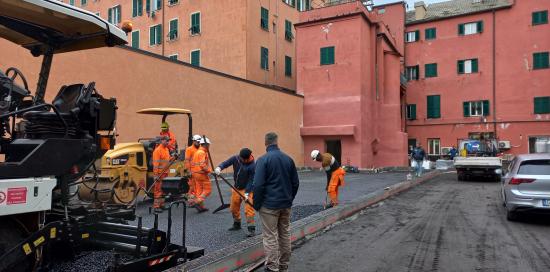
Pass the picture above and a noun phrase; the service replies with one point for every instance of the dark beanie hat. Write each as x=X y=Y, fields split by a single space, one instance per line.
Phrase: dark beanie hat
x=245 y=153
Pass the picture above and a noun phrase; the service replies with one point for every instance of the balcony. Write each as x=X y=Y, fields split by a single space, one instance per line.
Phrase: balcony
x=327 y=3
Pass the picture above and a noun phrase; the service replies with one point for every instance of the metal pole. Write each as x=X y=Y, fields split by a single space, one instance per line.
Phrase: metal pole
x=43 y=76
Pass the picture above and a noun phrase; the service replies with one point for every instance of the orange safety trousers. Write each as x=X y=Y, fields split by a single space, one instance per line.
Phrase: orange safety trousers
x=203 y=187
x=161 y=160
x=336 y=180
x=189 y=153
x=235 y=207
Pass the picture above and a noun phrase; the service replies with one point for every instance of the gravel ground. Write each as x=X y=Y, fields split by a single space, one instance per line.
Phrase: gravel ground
x=210 y=230
x=441 y=225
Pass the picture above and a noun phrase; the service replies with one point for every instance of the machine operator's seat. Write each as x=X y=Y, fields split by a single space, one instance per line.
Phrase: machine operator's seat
x=68 y=102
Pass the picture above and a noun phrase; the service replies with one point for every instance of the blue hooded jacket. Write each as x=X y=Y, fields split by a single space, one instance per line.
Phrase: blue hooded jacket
x=276 y=181
x=243 y=172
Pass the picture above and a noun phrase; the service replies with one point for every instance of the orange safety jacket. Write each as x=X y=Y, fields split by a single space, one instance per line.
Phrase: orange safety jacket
x=172 y=144
x=199 y=163
x=189 y=153
x=161 y=160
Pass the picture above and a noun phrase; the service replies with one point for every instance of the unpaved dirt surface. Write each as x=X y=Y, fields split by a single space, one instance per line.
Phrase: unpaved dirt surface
x=441 y=225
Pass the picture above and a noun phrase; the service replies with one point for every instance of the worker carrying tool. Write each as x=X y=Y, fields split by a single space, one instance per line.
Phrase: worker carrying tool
x=200 y=168
x=161 y=160
x=165 y=131
x=335 y=175
x=189 y=153
x=243 y=174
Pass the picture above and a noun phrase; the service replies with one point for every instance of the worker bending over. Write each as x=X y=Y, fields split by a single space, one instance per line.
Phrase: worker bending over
x=161 y=160
x=243 y=174
x=189 y=153
x=335 y=174
x=165 y=131
x=200 y=168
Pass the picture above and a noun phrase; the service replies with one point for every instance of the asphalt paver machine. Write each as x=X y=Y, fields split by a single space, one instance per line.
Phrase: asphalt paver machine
x=49 y=147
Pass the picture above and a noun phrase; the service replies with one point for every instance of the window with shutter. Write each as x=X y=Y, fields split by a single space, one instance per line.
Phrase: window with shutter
x=196 y=57
x=135 y=39
x=71 y=2
x=434 y=107
x=470 y=28
x=460 y=67
x=541 y=60
x=434 y=146
x=412 y=36
x=264 y=58
x=83 y=2
x=486 y=109
x=411 y=72
x=195 y=23
x=288 y=66
x=155 y=35
x=476 y=108
x=540 y=17
x=466 y=109
x=461 y=29
x=110 y=15
x=542 y=105
x=430 y=70
x=264 y=19
x=327 y=55
x=173 y=57
x=430 y=33
x=411 y=112
x=173 y=30
x=288 y=31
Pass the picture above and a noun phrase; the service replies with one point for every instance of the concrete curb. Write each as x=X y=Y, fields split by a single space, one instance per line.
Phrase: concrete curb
x=251 y=250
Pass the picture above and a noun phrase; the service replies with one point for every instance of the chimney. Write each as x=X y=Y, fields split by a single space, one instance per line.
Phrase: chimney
x=419 y=10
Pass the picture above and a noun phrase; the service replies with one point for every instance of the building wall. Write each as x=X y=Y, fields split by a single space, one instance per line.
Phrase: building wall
x=230 y=33
x=232 y=112
x=348 y=100
x=516 y=84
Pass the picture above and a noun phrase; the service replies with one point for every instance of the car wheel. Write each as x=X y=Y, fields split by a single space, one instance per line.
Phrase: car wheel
x=512 y=215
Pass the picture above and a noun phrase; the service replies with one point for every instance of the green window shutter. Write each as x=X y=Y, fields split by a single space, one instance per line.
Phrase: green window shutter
x=288 y=66
x=461 y=29
x=429 y=107
x=540 y=17
x=110 y=15
x=541 y=60
x=544 y=17
x=288 y=30
x=147 y=6
x=411 y=112
x=327 y=55
x=430 y=34
x=466 y=107
x=434 y=108
x=535 y=18
x=152 y=35
x=135 y=39
x=159 y=4
x=134 y=8
x=417 y=67
x=460 y=67
x=542 y=105
x=264 y=20
x=196 y=58
x=479 y=26
x=474 y=66
x=140 y=8
x=486 y=109
x=430 y=70
x=417 y=35
x=437 y=106
x=173 y=29
x=158 y=34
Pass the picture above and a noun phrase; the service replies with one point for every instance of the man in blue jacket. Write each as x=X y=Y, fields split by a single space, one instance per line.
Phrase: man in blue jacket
x=275 y=186
x=243 y=175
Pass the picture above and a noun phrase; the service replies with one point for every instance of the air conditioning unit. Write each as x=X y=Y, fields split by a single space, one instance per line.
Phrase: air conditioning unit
x=504 y=145
x=445 y=150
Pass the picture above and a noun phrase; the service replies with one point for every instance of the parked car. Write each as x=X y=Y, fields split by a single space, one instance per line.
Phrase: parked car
x=526 y=185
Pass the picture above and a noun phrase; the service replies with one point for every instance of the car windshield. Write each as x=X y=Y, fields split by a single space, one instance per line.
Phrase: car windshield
x=534 y=167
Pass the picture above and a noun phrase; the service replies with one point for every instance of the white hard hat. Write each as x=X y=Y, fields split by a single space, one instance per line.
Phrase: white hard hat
x=314 y=154
x=204 y=140
x=197 y=137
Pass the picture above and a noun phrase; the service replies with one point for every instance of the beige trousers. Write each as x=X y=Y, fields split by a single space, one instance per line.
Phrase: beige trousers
x=276 y=238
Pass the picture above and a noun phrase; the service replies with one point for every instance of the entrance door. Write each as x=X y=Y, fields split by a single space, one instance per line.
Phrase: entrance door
x=334 y=147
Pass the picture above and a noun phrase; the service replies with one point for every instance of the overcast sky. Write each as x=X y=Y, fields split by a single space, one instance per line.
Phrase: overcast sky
x=410 y=2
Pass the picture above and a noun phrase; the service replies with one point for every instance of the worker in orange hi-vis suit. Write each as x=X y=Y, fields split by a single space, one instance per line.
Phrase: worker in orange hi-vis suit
x=200 y=168
x=165 y=131
x=161 y=160
x=335 y=174
x=189 y=153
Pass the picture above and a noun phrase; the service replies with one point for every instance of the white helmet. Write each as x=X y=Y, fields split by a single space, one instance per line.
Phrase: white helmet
x=204 y=140
x=197 y=137
x=314 y=154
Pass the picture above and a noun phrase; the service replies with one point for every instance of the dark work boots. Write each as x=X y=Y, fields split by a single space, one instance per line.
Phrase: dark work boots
x=236 y=226
x=251 y=231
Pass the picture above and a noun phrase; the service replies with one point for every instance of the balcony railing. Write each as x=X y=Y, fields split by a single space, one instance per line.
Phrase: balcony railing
x=327 y=3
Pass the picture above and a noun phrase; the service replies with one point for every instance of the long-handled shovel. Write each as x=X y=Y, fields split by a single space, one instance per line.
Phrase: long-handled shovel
x=236 y=190
x=223 y=205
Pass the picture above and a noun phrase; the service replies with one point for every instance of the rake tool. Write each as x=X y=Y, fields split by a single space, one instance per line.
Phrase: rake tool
x=223 y=205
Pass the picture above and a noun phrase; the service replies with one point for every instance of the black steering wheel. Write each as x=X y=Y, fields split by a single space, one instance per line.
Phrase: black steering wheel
x=16 y=73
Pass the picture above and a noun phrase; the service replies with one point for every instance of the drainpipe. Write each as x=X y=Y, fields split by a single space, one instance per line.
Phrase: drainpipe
x=163 y=26
x=376 y=62
x=494 y=77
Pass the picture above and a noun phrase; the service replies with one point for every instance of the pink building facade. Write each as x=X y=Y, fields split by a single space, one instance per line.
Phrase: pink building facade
x=478 y=68
x=348 y=69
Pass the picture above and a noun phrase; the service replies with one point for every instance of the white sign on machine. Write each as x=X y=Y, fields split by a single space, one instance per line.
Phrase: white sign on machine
x=25 y=195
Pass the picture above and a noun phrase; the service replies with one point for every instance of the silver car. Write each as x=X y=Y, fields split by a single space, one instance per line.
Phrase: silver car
x=526 y=185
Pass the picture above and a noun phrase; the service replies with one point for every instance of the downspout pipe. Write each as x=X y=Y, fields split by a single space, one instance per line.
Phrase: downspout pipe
x=494 y=78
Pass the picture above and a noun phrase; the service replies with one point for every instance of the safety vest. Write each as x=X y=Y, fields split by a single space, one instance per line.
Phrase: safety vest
x=161 y=159
x=199 y=163
x=189 y=153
